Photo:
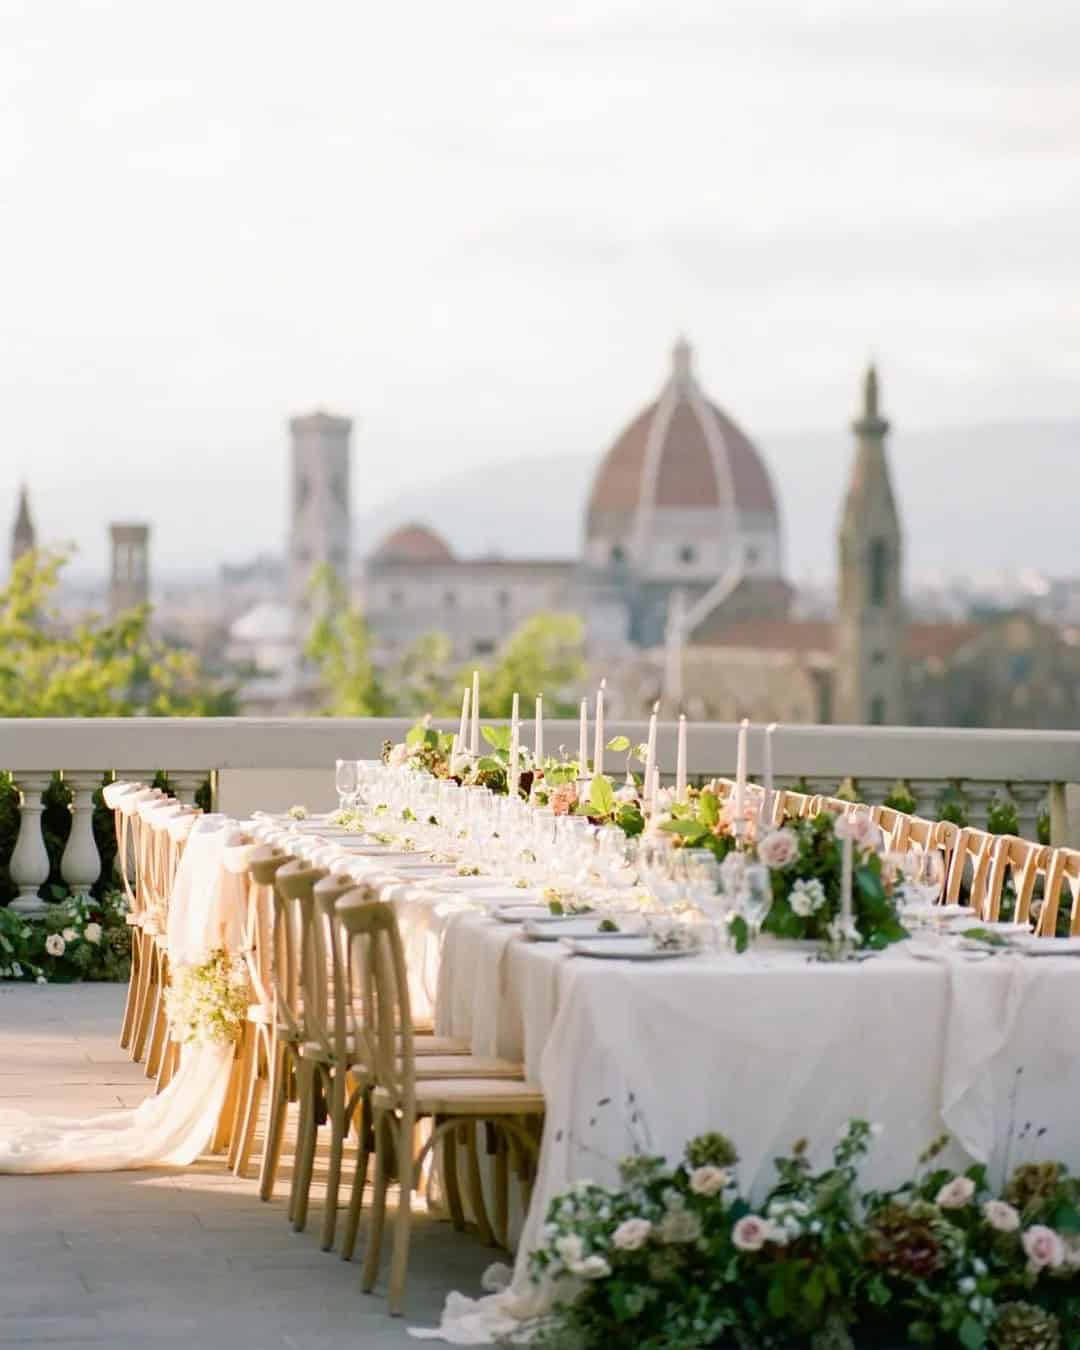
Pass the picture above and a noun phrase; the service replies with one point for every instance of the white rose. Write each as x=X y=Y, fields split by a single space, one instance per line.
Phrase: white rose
x=779 y=848
x=709 y=1180
x=627 y=794
x=70 y=935
x=1001 y=1216
x=92 y=932
x=955 y=1194
x=592 y=1268
x=55 y=945
x=631 y=1235
x=806 y=897
x=1043 y=1247
x=570 y=1249
x=751 y=1233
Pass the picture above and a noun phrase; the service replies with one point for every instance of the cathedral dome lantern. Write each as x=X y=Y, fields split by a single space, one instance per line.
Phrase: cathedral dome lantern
x=683 y=493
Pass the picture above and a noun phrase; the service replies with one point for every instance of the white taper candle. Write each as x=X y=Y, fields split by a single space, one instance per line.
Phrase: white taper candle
x=680 y=761
x=538 y=741
x=598 y=739
x=583 y=740
x=474 y=744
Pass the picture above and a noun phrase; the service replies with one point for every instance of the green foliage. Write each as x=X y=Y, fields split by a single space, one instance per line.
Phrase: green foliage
x=847 y=791
x=90 y=940
x=953 y=806
x=1002 y=817
x=340 y=649
x=93 y=668
x=1042 y=824
x=674 y=1257
x=901 y=798
x=546 y=655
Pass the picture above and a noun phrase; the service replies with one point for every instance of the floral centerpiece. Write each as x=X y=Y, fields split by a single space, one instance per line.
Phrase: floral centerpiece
x=805 y=862
x=675 y=1257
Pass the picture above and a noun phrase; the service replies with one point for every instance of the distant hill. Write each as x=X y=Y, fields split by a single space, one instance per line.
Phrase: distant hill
x=982 y=498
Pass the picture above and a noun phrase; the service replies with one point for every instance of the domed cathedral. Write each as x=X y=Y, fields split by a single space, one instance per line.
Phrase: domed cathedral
x=683 y=505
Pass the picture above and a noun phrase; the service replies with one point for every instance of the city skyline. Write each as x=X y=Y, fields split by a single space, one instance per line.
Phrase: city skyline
x=485 y=257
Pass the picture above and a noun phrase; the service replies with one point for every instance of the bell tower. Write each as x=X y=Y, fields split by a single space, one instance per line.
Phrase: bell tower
x=319 y=525
x=23 y=538
x=870 y=663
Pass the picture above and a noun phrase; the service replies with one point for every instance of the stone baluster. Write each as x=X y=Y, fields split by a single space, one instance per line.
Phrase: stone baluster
x=81 y=864
x=29 y=864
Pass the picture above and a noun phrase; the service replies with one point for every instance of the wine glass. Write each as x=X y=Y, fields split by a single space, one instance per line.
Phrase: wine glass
x=346 y=781
x=755 y=897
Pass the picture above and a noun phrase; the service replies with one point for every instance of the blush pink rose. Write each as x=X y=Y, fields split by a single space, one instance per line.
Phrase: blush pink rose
x=564 y=798
x=751 y=1233
x=778 y=849
x=1043 y=1247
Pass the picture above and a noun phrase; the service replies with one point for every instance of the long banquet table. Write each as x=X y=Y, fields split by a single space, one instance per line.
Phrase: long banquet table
x=768 y=1048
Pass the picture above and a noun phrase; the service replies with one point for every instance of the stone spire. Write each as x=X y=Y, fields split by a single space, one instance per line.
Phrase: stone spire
x=870 y=661
x=682 y=363
x=23 y=538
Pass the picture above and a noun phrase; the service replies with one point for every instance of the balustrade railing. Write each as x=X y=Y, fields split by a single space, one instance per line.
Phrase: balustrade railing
x=273 y=762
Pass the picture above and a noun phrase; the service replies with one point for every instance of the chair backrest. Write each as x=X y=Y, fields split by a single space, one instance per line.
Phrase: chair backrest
x=1063 y=870
x=974 y=849
x=270 y=946
x=295 y=883
x=793 y=805
x=331 y=952
x=375 y=951
x=1021 y=861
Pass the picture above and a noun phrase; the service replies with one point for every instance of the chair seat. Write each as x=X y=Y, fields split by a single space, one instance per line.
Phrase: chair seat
x=487 y=1097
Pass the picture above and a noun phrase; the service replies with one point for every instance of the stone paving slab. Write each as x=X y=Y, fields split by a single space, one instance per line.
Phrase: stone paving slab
x=170 y=1258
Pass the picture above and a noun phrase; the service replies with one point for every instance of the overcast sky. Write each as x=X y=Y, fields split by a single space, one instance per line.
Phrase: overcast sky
x=476 y=227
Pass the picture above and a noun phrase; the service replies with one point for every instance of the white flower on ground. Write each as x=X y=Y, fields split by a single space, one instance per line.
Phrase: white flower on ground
x=806 y=897
x=679 y=1225
x=70 y=935
x=55 y=945
x=92 y=932
x=956 y=1194
x=570 y=1249
x=1043 y=1247
x=40 y=979
x=592 y=1268
x=709 y=1180
x=1001 y=1216
x=779 y=848
x=631 y=1235
x=751 y=1233
x=16 y=970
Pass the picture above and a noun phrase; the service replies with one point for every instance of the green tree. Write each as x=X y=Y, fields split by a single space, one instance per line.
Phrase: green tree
x=339 y=646
x=92 y=668
x=545 y=655
x=424 y=679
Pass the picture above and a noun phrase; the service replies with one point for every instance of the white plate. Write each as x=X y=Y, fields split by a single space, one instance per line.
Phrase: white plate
x=1033 y=946
x=628 y=949
x=586 y=927
x=522 y=913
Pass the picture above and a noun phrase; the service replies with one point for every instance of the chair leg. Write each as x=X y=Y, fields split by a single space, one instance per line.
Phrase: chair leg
x=337 y=1123
x=356 y=1199
x=159 y=1024
x=383 y=1144
x=476 y=1188
x=502 y=1193
x=305 y=1147
x=147 y=986
x=256 y=1083
x=168 y=1060
x=277 y=1106
x=243 y=1093
x=302 y=1108
x=223 y=1133
x=450 y=1179
x=127 y=1026
x=399 y=1257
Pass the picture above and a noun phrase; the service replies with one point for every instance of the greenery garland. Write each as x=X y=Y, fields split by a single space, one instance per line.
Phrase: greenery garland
x=675 y=1258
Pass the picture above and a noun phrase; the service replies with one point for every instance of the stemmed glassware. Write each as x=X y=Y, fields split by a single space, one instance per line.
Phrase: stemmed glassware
x=346 y=780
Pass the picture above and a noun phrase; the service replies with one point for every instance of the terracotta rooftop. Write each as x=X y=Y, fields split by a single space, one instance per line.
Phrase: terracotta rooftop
x=923 y=640
x=705 y=460
x=414 y=543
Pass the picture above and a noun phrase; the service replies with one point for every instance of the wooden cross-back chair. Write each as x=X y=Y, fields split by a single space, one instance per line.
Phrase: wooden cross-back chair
x=1062 y=874
x=1021 y=862
x=169 y=829
x=115 y=796
x=971 y=861
x=141 y=916
x=399 y=1098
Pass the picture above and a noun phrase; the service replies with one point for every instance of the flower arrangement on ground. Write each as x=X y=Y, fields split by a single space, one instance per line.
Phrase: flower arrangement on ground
x=207 y=1003
x=77 y=939
x=674 y=1257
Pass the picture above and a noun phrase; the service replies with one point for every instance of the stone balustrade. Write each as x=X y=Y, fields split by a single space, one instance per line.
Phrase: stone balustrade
x=253 y=762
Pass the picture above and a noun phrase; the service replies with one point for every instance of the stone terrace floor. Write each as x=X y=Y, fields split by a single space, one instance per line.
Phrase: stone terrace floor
x=171 y=1257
